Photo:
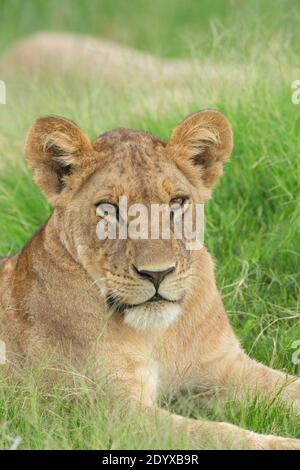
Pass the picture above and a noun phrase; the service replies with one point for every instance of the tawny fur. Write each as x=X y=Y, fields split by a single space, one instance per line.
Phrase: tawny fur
x=53 y=294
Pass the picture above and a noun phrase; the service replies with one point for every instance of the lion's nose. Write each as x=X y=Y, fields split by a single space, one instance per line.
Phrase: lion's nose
x=156 y=277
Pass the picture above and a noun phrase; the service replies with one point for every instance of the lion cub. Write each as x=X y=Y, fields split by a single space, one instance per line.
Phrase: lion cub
x=144 y=310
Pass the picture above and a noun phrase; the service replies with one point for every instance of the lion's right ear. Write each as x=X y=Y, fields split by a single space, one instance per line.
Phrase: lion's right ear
x=55 y=148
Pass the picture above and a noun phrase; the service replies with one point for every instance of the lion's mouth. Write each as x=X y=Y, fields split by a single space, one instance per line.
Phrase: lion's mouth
x=120 y=307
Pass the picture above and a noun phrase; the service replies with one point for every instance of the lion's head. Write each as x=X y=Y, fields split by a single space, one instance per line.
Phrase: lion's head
x=146 y=280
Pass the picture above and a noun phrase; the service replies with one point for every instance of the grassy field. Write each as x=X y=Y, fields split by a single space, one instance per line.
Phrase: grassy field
x=252 y=222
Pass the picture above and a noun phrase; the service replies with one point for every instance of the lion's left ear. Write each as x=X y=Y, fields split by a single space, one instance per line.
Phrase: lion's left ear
x=205 y=138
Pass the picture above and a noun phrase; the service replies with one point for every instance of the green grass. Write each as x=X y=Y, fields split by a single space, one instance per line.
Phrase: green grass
x=252 y=222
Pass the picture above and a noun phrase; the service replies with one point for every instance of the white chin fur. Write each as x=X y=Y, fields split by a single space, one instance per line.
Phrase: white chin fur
x=152 y=316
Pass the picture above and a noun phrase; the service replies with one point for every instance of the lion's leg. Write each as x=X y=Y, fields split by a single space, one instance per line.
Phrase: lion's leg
x=201 y=433
x=136 y=386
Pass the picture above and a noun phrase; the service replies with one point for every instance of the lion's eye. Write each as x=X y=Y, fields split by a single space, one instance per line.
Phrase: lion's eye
x=104 y=209
x=179 y=201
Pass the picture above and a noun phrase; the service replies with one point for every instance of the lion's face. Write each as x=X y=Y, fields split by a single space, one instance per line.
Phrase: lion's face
x=144 y=279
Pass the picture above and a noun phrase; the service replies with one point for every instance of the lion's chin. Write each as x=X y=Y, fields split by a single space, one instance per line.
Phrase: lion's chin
x=152 y=315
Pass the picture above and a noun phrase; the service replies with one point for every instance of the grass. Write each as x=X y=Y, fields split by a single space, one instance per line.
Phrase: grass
x=252 y=222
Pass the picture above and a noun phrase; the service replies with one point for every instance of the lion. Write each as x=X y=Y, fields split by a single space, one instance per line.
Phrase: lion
x=58 y=54
x=145 y=311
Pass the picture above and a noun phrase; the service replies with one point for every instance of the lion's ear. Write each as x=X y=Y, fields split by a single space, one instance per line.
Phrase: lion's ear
x=205 y=138
x=55 y=148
